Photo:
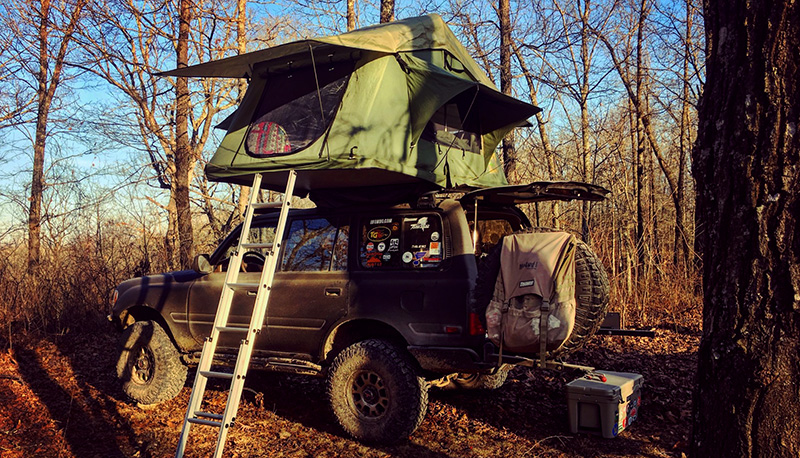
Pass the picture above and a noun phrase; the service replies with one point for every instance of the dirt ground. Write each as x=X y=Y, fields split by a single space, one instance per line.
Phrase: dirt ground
x=59 y=398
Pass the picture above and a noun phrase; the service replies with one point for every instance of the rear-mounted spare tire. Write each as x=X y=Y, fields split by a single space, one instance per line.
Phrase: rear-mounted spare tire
x=591 y=291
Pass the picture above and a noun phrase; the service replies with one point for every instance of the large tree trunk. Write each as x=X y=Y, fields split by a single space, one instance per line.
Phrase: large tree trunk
x=747 y=167
x=184 y=156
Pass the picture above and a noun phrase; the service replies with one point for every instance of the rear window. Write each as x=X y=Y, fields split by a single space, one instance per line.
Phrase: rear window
x=401 y=242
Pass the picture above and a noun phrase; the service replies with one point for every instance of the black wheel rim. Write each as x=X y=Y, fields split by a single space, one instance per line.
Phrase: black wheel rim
x=369 y=394
x=143 y=367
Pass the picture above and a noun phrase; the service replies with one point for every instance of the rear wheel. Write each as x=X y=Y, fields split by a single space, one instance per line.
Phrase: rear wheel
x=376 y=392
x=149 y=366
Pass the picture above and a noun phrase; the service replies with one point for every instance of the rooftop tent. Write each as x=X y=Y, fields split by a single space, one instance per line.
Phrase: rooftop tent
x=401 y=103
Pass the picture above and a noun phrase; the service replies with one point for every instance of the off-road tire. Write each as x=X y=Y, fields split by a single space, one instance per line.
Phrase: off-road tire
x=479 y=381
x=591 y=291
x=149 y=366
x=376 y=392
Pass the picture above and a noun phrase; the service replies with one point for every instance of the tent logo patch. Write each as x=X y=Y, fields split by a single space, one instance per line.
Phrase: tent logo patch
x=527 y=283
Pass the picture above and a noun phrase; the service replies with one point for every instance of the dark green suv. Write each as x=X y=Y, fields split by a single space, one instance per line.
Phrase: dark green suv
x=381 y=300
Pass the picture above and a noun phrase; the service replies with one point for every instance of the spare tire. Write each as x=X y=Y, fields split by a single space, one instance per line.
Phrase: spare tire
x=591 y=291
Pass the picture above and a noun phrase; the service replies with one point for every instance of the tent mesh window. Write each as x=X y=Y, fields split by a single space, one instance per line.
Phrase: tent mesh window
x=452 y=126
x=295 y=109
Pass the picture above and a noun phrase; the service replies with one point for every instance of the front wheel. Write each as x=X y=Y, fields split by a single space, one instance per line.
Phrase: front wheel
x=376 y=392
x=149 y=366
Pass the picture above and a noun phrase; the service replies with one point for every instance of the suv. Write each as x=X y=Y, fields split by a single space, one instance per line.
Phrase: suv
x=381 y=300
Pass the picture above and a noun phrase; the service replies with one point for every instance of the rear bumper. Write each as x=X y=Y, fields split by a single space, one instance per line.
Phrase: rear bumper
x=446 y=360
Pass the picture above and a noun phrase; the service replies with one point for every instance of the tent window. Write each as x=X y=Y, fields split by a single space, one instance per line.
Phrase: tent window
x=448 y=127
x=292 y=114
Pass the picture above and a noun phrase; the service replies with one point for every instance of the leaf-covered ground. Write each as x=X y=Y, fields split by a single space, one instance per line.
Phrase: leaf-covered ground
x=59 y=398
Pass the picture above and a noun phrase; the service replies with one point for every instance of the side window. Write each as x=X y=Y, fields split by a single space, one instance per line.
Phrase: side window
x=401 y=242
x=312 y=244
x=340 y=249
x=263 y=232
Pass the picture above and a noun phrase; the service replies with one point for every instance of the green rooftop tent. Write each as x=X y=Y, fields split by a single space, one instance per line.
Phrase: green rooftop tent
x=393 y=106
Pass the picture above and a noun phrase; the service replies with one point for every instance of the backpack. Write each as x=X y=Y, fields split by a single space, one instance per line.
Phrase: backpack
x=534 y=293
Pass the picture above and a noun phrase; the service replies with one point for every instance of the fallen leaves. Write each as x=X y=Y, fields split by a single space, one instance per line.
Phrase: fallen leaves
x=59 y=398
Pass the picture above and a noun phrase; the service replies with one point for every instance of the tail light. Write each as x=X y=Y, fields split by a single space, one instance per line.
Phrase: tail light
x=475 y=326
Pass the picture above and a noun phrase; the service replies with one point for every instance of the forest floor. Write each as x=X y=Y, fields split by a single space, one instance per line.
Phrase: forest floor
x=59 y=398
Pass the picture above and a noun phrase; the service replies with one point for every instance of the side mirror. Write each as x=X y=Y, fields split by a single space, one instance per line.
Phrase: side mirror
x=202 y=265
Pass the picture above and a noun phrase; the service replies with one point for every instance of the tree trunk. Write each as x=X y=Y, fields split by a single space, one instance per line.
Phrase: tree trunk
x=640 y=139
x=241 y=47
x=47 y=84
x=747 y=165
x=681 y=246
x=387 y=11
x=351 y=15
x=184 y=156
x=584 y=105
x=37 y=180
x=504 y=17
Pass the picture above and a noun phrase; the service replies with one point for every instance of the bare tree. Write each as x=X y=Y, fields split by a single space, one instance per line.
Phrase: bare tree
x=50 y=28
x=747 y=165
x=129 y=44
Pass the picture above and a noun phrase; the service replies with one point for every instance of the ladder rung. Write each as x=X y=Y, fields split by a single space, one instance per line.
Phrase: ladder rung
x=214 y=416
x=260 y=205
x=243 y=285
x=213 y=374
x=200 y=421
x=232 y=329
x=248 y=246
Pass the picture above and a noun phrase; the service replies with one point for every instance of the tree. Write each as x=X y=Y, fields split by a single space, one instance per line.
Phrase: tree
x=387 y=11
x=51 y=28
x=128 y=44
x=185 y=157
x=351 y=15
x=747 y=165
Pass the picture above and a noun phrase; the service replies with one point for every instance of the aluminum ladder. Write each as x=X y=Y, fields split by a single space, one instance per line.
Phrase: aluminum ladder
x=194 y=414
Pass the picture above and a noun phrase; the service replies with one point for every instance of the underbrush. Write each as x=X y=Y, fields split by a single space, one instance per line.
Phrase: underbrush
x=671 y=298
x=72 y=286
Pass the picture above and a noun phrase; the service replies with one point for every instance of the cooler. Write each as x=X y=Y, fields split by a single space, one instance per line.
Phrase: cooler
x=603 y=402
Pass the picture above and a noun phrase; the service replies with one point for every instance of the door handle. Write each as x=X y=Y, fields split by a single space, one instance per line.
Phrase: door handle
x=333 y=292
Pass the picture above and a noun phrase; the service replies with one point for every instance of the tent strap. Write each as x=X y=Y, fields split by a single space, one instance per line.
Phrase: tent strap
x=316 y=80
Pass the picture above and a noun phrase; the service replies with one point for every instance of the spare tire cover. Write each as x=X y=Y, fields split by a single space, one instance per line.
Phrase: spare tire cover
x=591 y=292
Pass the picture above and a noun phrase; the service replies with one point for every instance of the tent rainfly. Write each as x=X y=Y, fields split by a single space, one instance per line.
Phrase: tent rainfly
x=393 y=106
